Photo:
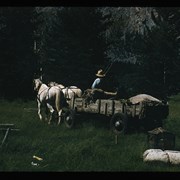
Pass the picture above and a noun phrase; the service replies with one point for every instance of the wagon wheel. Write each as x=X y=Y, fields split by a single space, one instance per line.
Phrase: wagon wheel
x=118 y=123
x=69 y=117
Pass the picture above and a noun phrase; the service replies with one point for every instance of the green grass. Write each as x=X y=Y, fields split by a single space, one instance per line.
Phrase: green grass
x=89 y=146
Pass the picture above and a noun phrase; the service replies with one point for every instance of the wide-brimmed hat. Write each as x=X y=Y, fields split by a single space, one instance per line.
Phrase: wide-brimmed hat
x=100 y=73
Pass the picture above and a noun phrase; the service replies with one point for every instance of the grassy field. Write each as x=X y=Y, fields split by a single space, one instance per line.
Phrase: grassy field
x=89 y=146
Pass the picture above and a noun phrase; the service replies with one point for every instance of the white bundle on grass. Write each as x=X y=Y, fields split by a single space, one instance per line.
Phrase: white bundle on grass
x=167 y=156
x=155 y=155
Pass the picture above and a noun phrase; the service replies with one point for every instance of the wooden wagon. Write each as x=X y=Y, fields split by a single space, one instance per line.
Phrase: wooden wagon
x=123 y=113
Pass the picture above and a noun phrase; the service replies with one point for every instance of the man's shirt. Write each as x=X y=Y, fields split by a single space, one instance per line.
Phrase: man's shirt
x=96 y=83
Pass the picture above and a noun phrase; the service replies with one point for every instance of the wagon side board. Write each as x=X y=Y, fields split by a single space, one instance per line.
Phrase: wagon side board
x=106 y=107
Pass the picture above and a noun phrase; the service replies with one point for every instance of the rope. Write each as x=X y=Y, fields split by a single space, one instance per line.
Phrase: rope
x=6 y=134
x=109 y=66
x=107 y=69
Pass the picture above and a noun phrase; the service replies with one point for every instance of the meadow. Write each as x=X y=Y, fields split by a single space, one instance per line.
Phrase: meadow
x=88 y=147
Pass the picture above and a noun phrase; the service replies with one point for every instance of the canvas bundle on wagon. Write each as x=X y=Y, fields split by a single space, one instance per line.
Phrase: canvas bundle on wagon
x=139 y=110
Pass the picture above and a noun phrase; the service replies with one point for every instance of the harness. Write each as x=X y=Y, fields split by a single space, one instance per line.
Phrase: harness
x=108 y=67
x=38 y=95
x=67 y=94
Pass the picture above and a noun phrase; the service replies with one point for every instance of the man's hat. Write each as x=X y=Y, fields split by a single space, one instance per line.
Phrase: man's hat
x=100 y=73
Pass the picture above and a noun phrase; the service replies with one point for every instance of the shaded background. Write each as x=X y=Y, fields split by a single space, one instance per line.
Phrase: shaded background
x=70 y=44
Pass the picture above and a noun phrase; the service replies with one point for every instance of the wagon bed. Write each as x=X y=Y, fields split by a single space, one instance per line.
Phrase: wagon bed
x=121 y=112
x=106 y=107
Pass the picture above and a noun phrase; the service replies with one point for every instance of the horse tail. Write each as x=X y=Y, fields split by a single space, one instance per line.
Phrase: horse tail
x=80 y=92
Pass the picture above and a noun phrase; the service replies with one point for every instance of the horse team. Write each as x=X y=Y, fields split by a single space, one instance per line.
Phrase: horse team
x=52 y=98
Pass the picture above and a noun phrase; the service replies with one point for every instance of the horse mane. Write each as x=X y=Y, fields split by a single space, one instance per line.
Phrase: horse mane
x=52 y=83
x=73 y=87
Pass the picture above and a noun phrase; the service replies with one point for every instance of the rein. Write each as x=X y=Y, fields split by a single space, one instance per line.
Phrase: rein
x=67 y=94
x=109 y=66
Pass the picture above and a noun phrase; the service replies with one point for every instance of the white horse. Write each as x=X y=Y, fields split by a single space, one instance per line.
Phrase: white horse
x=69 y=92
x=49 y=97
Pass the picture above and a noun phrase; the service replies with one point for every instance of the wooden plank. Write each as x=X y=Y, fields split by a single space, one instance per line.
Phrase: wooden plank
x=107 y=107
x=103 y=108
x=99 y=106
x=7 y=124
x=11 y=129
x=5 y=136
x=30 y=109
x=92 y=107
x=117 y=106
x=112 y=108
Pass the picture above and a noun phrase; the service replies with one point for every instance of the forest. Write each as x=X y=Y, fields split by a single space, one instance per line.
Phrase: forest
x=138 y=45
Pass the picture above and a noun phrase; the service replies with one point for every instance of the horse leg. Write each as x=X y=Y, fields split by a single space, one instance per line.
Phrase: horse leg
x=59 y=102
x=47 y=112
x=51 y=112
x=59 y=116
x=39 y=110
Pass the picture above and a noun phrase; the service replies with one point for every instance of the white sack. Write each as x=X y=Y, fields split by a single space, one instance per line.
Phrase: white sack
x=174 y=156
x=155 y=155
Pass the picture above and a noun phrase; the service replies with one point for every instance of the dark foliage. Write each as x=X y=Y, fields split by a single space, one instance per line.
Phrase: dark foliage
x=16 y=45
x=70 y=44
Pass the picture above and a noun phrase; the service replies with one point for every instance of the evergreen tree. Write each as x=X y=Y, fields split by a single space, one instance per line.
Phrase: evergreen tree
x=74 y=45
x=16 y=47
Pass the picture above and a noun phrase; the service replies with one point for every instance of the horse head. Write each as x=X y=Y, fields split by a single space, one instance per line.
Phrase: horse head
x=37 y=83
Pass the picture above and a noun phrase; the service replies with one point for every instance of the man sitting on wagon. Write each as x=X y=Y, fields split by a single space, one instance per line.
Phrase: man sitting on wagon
x=99 y=81
x=97 y=89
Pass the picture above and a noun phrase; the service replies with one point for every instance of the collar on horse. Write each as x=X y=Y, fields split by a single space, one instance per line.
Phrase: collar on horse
x=47 y=94
x=67 y=94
